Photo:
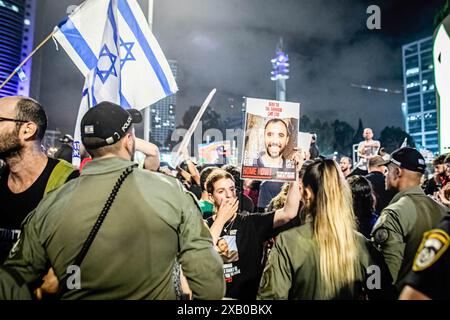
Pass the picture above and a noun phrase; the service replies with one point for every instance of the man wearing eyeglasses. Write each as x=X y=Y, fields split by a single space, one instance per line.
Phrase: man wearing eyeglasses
x=29 y=174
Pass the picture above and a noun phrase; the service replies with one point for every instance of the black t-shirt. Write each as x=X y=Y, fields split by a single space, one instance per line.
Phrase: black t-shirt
x=246 y=203
x=431 y=268
x=379 y=187
x=243 y=261
x=16 y=206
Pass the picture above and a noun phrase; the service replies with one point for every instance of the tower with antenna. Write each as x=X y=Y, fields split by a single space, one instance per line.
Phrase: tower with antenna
x=280 y=71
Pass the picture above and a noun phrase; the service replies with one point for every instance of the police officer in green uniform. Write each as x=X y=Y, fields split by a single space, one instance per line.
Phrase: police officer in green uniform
x=400 y=227
x=430 y=276
x=152 y=222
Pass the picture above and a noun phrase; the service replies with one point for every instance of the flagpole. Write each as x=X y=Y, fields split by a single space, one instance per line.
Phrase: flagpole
x=147 y=111
x=26 y=59
x=187 y=137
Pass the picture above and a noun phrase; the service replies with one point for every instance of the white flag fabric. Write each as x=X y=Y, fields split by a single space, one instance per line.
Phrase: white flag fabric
x=111 y=43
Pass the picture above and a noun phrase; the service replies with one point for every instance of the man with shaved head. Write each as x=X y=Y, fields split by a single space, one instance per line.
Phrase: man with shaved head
x=346 y=166
x=29 y=173
x=366 y=150
x=401 y=225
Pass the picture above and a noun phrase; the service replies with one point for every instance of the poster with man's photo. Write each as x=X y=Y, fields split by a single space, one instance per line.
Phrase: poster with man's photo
x=271 y=134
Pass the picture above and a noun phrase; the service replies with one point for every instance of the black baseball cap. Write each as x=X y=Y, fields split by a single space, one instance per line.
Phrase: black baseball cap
x=409 y=159
x=106 y=123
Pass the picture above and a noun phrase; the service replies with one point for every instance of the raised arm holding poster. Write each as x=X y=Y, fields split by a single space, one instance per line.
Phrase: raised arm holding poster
x=271 y=133
x=304 y=140
x=217 y=152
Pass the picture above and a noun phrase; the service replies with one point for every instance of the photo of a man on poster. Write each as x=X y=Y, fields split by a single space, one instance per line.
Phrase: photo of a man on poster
x=276 y=138
x=271 y=136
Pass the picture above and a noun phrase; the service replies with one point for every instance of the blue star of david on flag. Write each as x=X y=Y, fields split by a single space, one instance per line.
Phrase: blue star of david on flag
x=108 y=60
x=112 y=45
x=128 y=56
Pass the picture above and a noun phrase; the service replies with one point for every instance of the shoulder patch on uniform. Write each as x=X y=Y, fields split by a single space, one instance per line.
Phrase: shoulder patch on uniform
x=433 y=246
x=381 y=235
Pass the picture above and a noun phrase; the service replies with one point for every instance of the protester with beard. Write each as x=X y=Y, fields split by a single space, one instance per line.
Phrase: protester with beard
x=346 y=166
x=439 y=178
x=29 y=173
x=276 y=138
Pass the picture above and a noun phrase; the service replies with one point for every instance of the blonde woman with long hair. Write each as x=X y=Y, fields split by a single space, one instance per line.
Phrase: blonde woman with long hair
x=325 y=258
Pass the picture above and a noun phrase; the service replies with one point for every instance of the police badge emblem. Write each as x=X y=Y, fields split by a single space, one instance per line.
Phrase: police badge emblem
x=434 y=244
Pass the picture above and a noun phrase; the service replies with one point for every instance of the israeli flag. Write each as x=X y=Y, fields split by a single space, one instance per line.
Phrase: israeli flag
x=111 y=43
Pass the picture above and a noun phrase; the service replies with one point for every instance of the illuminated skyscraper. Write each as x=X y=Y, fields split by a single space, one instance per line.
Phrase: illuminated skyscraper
x=16 y=42
x=420 y=95
x=163 y=115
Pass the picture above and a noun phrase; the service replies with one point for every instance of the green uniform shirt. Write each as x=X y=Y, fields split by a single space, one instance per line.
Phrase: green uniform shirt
x=292 y=271
x=152 y=221
x=400 y=227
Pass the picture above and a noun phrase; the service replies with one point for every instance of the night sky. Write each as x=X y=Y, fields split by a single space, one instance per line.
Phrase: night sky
x=228 y=44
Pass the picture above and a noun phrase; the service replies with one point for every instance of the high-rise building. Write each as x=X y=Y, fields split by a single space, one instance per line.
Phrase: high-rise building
x=420 y=110
x=163 y=115
x=16 y=42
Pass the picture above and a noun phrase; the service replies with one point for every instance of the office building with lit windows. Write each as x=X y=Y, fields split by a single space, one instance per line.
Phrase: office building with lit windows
x=16 y=42
x=420 y=110
x=163 y=115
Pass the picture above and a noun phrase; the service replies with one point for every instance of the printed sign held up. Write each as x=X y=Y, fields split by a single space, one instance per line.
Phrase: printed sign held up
x=271 y=134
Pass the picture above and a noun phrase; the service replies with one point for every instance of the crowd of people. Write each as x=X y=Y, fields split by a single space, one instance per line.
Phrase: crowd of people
x=121 y=230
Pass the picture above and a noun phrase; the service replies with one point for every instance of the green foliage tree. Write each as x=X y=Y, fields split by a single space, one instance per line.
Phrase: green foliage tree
x=343 y=137
x=305 y=124
x=359 y=132
x=391 y=138
x=210 y=120
x=337 y=136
